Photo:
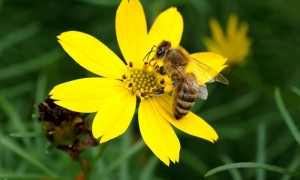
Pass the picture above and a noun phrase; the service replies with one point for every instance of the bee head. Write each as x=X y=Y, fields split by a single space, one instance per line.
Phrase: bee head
x=162 y=49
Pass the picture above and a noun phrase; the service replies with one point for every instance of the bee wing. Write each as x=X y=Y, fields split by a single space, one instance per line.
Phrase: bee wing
x=202 y=92
x=206 y=72
x=192 y=82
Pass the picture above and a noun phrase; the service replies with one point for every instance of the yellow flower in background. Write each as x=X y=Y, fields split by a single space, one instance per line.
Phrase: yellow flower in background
x=235 y=45
x=114 y=95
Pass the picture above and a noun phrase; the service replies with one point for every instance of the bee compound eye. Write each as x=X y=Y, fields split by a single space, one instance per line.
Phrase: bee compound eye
x=160 y=52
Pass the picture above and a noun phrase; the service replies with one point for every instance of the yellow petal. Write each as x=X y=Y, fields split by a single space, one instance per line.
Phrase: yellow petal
x=86 y=95
x=114 y=117
x=131 y=29
x=157 y=133
x=217 y=32
x=91 y=54
x=211 y=45
x=232 y=26
x=213 y=64
x=167 y=26
x=190 y=124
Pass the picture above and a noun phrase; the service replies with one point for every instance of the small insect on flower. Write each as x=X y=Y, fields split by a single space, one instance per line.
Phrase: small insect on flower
x=63 y=128
x=184 y=72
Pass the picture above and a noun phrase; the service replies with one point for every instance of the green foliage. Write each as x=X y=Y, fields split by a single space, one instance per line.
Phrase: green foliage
x=257 y=126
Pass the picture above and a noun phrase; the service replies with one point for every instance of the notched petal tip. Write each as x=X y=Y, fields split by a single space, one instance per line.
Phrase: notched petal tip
x=163 y=142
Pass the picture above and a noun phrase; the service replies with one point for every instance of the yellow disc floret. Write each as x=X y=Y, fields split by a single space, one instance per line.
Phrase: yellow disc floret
x=142 y=82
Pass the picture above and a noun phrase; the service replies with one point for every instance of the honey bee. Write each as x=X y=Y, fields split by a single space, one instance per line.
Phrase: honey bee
x=187 y=86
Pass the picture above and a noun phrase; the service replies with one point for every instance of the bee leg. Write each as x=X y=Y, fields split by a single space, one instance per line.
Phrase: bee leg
x=166 y=89
x=161 y=70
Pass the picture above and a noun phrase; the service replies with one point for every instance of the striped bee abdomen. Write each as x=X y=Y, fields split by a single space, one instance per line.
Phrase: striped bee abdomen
x=183 y=100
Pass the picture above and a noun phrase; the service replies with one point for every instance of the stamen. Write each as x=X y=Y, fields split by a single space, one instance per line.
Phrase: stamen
x=141 y=82
x=130 y=64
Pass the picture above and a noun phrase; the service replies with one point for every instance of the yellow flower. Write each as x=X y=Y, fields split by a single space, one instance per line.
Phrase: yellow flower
x=235 y=45
x=114 y=95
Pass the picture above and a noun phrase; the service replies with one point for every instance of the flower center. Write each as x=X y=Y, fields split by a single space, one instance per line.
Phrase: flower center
x=142 y=82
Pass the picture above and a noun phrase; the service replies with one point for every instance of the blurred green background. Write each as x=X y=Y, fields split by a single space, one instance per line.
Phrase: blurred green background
x=255 y=122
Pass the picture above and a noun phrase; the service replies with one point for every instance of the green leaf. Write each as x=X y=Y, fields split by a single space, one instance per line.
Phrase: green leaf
x=13 y=116
x=29 y=66
x=17 y=89
x=292 y=167
x=193 y=162
x=30 y=176
x=261 y=155
x=134 y=149
x=148 y=170
x=50 y=148
x=252 y=165
x=235 y=174
x=28 y=134
x=5 y=142
x=20 y=35
x=296 y=90
x=113 y=3
x=232 y=107
x=286 y=116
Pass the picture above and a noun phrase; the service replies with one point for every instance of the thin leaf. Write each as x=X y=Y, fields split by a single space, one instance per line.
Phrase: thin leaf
x=124 y=145
x=30 y=176
x=134 y=149
x=292 y=167
x=286 y=116
x=13 y=117
x=29 y=66
x=20 y=35
x=232 y=107
x=148 y=170
x=28 y=134
x=5 y=142
x=193 y=162
x=280 y=146
x=252 y=165
x=235 y=174
x=296 y=90
x=261 y=155
x=16 y=90
x=112 y=3
x=41 y=88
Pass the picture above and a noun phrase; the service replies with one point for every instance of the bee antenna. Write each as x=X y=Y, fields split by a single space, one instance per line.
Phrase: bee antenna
x=148 y=54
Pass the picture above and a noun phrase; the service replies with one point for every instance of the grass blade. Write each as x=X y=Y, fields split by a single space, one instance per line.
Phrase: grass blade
x=252 y=165
x=17 y=89
x=19 y=35
x=232 y=107
x=296 y=90
x=286 y=116
x=292 y=167
x=41 y=88
x=32 y=65
x=193 y=162
x=134 y=149
x=28 y=134
x=261 y=156
x=14 y=117
x=30 y=176
x=235 y=174
x=149 y=169
x=5 y=142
